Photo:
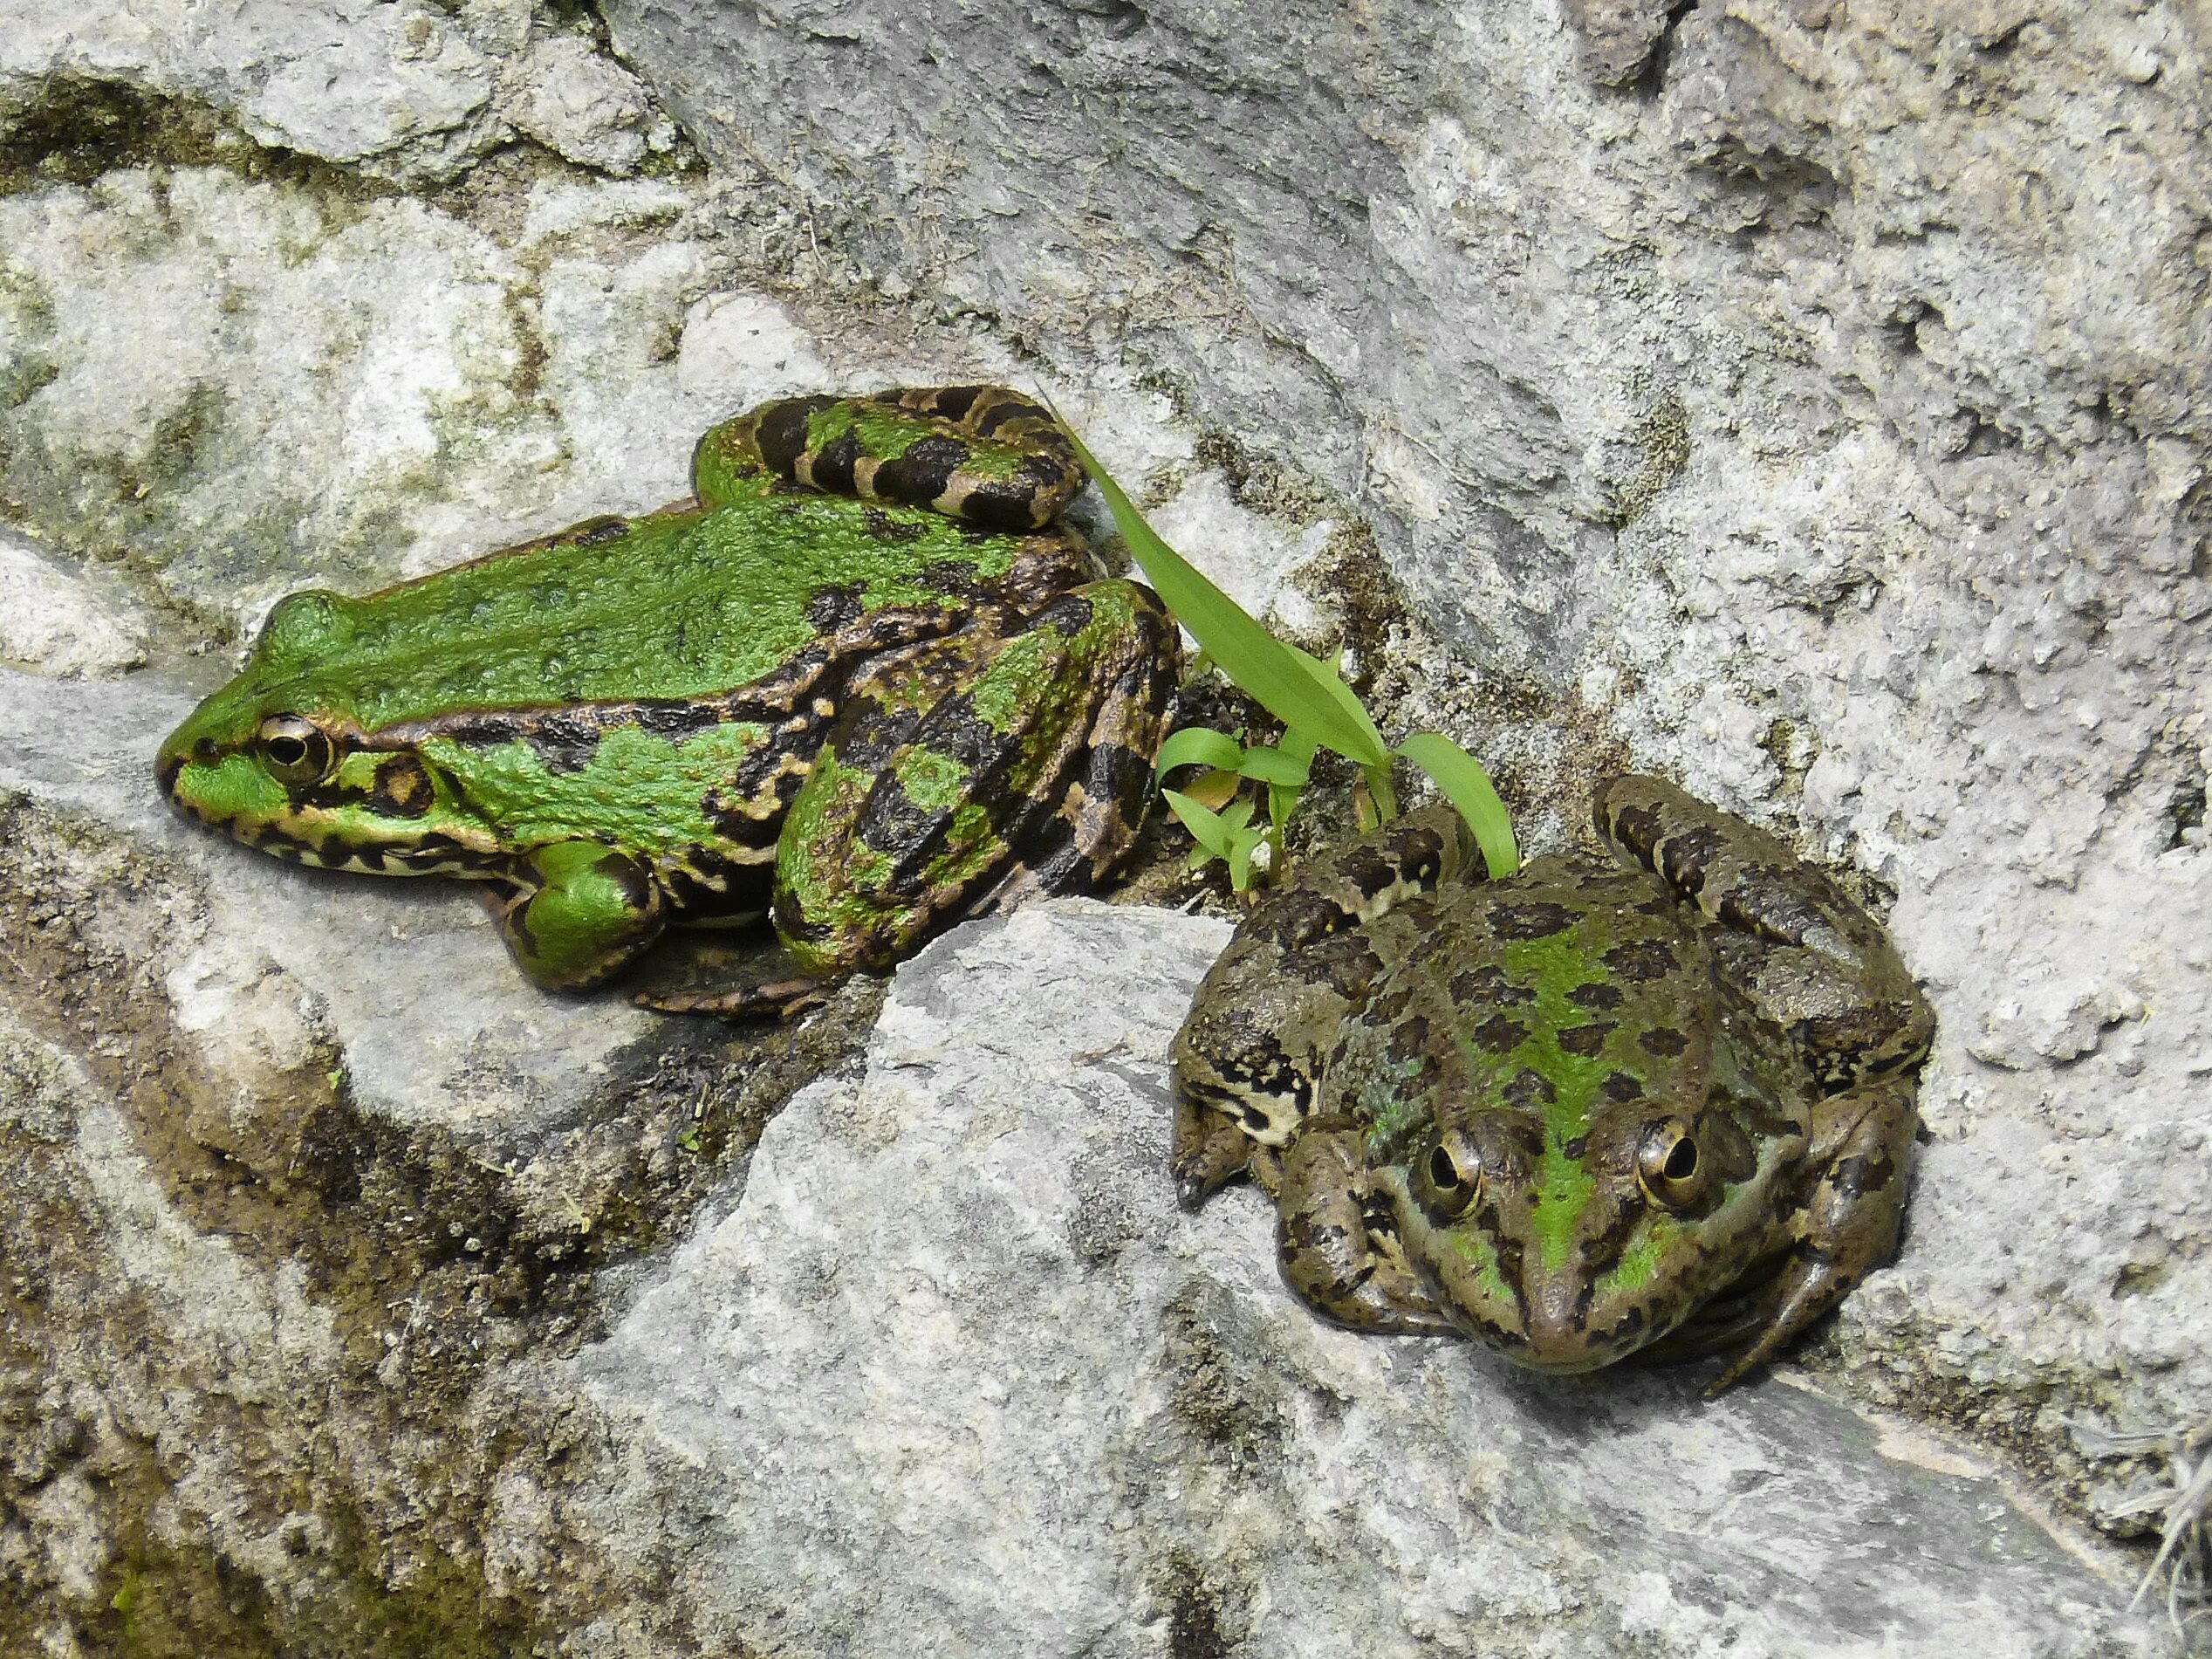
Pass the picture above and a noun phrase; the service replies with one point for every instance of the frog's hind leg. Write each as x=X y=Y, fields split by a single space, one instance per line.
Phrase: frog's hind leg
x=980 y=453
x=956 y=763
x=1810 y=959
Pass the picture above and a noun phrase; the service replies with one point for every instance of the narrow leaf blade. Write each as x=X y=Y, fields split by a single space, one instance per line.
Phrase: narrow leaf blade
x=1199 y=746
x=1273 y=766
x=1346 y=700
x=1468 y=787
x=1204 y=824
x=1251 y=655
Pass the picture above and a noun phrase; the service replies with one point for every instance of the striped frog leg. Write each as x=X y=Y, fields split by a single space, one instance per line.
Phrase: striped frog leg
x=1816 y=964
x=1810 y=960
x=984 y=454
x=1011 y=757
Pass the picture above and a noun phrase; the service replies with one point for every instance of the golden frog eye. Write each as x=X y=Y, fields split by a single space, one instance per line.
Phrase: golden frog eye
x=294 y=750
x=1669 y=1166
x=1449 y=1179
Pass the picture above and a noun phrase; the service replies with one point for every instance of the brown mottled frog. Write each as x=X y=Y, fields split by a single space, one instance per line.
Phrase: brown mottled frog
x=1657 y=1104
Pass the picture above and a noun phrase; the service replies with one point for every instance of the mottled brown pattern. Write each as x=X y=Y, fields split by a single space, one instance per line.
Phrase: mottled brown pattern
x=1755 y=1098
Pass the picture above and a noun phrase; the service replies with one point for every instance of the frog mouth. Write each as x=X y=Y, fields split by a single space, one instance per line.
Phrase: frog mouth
x=431 y=855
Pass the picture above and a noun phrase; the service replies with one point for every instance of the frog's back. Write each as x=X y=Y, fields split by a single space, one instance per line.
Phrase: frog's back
x=669 y=608
x=1558 y=993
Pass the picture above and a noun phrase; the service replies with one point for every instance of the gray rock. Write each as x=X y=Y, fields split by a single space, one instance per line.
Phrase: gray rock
x=954 y=1376
x=56 y=623
x=1821 y=423
x=1618 y=37
x=404 y=89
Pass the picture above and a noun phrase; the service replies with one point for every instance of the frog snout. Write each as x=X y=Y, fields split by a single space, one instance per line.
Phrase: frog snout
x=1553 y=1319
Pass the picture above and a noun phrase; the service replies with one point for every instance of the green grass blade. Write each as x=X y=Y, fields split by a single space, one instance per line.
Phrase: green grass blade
x=1468 y=786
x=1200 y=746
x=1241 y=848
x=1204 y=824
x=1372 y=752
x=1251 y=656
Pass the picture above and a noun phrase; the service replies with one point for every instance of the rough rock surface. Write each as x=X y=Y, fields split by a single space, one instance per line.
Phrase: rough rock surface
x=954 y=1376
x=1820 y=418
x=1807 y=400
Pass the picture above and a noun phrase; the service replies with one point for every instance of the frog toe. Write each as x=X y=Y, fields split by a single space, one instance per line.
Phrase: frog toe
x=777 y=999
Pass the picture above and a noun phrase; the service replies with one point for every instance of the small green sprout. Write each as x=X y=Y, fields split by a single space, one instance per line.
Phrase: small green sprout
x=1317 y=710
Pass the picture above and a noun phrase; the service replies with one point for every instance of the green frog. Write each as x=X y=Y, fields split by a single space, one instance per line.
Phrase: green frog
x=863 y=681
x=1656 y=1103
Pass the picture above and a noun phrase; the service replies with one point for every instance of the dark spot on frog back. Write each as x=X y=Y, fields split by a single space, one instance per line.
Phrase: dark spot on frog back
x=1499 y=1034
x=1664 y=1041
x=1599 y=996
x=1528 y=1091
x=834 y=609
x=1530 y=919
x=1585 y=1041
x=1488 y=986
x=882 y=526
x=1642 y=960
x=955 y=578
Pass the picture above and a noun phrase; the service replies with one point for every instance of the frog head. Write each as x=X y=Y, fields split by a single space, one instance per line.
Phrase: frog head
x=1606 y=1148
x=281 y=759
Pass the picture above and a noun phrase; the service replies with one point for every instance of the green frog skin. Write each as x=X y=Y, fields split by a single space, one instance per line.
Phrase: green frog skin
x=863 y=681
x=1659 y=1103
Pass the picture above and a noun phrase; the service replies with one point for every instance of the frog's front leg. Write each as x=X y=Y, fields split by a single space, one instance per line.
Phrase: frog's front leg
x=1860 y=1159
x=1337 y=1240
x=577 y=912
x=1809 y=958
x=982 y=453
x=1245 y=1062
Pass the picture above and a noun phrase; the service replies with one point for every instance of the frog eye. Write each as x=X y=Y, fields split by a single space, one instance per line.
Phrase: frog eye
x=1449 y=1180
x=1669 y=1165
x=295 y=750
